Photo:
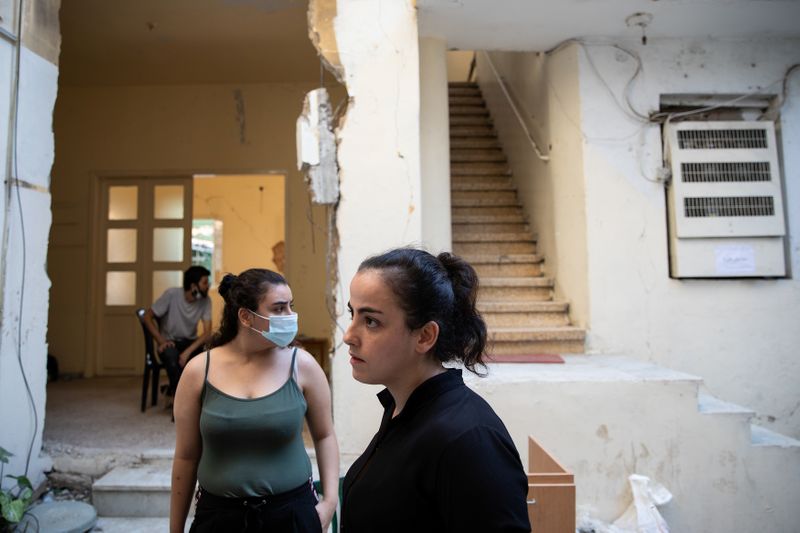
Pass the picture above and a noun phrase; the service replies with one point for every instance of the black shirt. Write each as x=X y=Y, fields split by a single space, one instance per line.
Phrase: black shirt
x=445 y=463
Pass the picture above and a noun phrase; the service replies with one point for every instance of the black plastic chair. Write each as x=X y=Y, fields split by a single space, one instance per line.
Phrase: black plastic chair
x=152 y=366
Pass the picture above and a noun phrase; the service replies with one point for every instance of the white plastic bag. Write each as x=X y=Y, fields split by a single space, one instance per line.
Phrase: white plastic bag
x=642 y=515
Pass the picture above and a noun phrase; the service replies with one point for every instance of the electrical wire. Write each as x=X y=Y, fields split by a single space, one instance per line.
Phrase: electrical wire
x=16 y=184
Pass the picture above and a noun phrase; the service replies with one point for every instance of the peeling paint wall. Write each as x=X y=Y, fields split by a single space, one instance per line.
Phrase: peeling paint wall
x=24 y=348
x=741 y=336
x=379 y=170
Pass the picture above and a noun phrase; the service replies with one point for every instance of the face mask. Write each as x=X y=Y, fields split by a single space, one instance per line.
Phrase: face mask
x=282 y=329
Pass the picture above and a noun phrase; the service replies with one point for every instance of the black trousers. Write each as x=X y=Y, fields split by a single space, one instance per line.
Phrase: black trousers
x=291 y=512
x=169 y=358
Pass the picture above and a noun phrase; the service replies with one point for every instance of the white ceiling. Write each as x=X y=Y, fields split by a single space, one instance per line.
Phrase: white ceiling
x=541 y=24
x=122 y=42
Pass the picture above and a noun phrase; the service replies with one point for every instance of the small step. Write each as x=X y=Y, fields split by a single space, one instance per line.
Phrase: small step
x=470 y=120
x=502 y=227
x=527 y=340
x=462 y=84
x=523 y=334
x=468 y=217
x=522 y=247
x=476 y=155
x=524 y=314
x=486 y=210
x=463 y=91
x=479 y=169
x=485 y=202
x=134 y=491
x=472 y=131
x=494 y=267
x=458 y=110
x=522 y=236
x=761 y=436
x=490 y=197
x=481 y=183
x=476 y=101
x=710 y=405
x=473 y=142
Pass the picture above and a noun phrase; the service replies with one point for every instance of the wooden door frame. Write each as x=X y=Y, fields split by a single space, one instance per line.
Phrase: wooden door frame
x=91 y=362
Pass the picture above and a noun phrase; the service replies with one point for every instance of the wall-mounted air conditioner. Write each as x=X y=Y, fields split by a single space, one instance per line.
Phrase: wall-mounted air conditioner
x=725 y=200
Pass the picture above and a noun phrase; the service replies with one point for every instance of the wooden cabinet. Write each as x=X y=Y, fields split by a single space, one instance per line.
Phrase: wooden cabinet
x=551 y=492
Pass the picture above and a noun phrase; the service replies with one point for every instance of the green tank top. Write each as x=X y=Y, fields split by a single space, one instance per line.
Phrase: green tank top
x=253 y=447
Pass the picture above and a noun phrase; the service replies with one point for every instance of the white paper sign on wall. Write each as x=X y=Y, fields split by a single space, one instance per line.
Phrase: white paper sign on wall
x=735 y=259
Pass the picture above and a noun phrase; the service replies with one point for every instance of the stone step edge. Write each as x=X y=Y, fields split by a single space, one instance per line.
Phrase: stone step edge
x=711 y=405
x=504 y=307
x=531 y=281
x=533 y=334
x=502 y=259
x=763 y=438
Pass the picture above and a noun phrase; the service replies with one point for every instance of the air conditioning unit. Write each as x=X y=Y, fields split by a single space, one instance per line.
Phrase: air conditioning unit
x=725 y=200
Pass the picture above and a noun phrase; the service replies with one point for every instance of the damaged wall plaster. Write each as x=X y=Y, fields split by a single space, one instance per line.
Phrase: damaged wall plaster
x=316 y=147
x=373 y=47
x=321 y=15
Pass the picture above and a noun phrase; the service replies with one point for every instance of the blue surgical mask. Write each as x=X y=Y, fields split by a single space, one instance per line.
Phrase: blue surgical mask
x=282 y=329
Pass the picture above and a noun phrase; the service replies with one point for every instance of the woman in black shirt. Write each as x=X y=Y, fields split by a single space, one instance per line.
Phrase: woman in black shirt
x=442 y=461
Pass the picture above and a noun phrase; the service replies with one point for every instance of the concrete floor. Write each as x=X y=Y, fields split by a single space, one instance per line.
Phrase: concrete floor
x=103 y=413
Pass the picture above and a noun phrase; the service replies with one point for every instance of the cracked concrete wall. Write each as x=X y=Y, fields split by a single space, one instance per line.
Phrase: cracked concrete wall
x=24 y=307
x=740 y=335
x=376 y=53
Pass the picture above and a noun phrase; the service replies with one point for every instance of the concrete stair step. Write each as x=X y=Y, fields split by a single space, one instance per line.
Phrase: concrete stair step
x=710 y=405
x=519 y=247
x=134 y=491
x=522 y=236
x=527 y=340
x=481 y=197
x=502 y=227
x=479 y=169
x=511 y=216
x=485 y=202
x=512 y=289
x=475 y=213
x=473 y=142
x=550 y=314
x=460 y=155
x=472 y=131
x=481 y=183
x=495 y=259
x=463 y=91
x=466 y=101
x=473 y=84
x=470 y=120
x=134 y=525
x=507 y=269
x=763 y=437
x=527 y=334
x=459 y=110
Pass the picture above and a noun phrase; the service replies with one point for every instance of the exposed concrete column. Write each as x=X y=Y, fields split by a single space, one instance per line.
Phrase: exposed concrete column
x=377 y=57
x=434 y=137
x=27 y=190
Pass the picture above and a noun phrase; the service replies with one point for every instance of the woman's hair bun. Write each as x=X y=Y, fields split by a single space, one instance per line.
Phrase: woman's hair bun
x=226 y=284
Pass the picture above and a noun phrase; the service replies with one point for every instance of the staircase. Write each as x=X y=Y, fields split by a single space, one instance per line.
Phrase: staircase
x=491 y=233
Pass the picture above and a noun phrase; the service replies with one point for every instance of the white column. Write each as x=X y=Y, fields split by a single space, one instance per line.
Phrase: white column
x=434 y=139
x=379 y=172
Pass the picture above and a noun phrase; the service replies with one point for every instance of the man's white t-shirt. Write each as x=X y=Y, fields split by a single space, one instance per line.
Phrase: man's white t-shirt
x=179 y=318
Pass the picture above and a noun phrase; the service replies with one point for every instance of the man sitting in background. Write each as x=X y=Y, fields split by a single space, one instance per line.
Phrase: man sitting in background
x=178 y=311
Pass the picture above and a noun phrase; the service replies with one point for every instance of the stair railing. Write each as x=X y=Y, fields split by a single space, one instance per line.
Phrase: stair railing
x=539 y=154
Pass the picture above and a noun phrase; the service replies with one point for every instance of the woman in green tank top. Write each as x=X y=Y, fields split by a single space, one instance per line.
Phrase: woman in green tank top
x=239 y=415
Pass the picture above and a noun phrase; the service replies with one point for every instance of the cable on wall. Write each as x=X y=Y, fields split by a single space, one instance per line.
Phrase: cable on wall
x=15 y=183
